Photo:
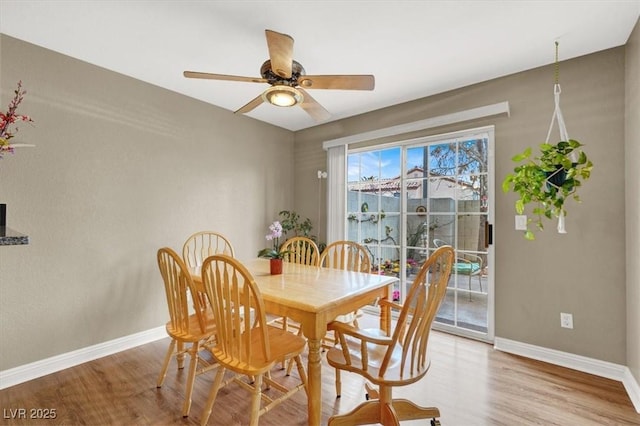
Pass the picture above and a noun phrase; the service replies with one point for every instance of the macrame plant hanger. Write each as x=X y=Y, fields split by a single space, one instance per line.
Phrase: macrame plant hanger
x=564 y=135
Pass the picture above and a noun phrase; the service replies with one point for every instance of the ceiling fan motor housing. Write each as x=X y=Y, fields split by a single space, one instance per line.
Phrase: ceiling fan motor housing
x=297 y=70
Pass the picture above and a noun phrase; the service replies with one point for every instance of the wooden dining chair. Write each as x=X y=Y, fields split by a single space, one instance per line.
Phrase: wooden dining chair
x=349 y=256
x=301 y=250
x=346 y=255
x=396 y=360
x=246 y=344
x=203 y=244
x=189 y=327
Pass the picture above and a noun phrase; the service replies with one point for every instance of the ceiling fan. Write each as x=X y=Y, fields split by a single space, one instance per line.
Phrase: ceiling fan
x=289 y=81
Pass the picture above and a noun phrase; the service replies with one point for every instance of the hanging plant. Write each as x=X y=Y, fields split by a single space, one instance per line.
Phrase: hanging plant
x=548 y=180
x=551 y=178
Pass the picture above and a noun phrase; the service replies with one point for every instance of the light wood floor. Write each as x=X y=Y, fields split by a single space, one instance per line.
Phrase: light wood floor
x=469 y=381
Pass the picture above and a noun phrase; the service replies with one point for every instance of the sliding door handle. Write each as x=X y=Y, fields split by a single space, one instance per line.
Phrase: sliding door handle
x=488 y=234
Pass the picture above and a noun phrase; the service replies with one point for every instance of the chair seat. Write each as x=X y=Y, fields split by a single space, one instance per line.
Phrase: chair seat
x=466 y=268
x=282 y=344
x=376 y=353
x=210 y=329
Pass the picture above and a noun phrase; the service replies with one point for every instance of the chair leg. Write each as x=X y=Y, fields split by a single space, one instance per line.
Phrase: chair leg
x=283 y=364
x=212 y=396
x=364 y=414
x=355 y=320
x=388 y=416
x=338 y=384
x=407 y=410
x=290 y=362
x=289 y=367
x=384 y=412
x=193 y=365
x=268 y=382
x=255 y=401
x=165 y=364
x=302 y=373
x=180 y=356
x=372 y=392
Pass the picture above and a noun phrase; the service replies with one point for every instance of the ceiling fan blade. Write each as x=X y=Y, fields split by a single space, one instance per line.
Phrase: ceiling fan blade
x=209 y=76
x=344 y=82
x=280 y=52
x=312 y=107
x=251 y=105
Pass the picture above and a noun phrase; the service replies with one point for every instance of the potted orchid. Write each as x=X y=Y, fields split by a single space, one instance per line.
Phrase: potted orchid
x=274 y=253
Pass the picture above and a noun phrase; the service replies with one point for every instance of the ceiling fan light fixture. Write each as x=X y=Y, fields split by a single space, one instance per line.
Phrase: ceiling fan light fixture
x=282 y=96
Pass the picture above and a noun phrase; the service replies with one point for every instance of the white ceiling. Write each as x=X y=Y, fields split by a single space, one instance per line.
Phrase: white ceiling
x=413 y=48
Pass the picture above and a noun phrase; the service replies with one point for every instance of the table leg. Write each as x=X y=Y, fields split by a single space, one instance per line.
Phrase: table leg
x=385 y=313
x=314 y=384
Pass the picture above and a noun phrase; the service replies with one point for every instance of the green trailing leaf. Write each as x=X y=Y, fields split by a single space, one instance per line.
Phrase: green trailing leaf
x=506 y=183
x=530 y=181
x=574 y=143
x=582 y=158
x=520 y=157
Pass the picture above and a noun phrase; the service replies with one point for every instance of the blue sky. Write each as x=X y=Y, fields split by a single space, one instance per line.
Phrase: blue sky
x=385 y=163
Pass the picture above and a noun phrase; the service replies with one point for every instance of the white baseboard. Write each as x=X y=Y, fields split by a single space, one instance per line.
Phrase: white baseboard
x=24 y=373
x=596 y=367
x=633 y=388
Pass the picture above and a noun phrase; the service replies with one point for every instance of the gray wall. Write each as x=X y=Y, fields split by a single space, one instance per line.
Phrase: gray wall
x=121 y=168
x=632 y=179
x=582 y=272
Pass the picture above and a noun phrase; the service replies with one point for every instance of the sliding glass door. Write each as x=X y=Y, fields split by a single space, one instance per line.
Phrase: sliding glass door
x=406 y=199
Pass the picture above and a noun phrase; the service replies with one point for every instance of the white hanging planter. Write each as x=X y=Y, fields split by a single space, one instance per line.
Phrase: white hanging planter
x=549 y=179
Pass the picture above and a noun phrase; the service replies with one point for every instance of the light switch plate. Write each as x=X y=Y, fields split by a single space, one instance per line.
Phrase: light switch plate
x=521 y=222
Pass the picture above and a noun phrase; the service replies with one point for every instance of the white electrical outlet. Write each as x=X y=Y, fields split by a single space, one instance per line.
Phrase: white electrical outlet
x=521 y=222
x=566 y=320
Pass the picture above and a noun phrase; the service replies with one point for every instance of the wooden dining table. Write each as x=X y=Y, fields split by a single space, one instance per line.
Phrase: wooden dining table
x=315 y=296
